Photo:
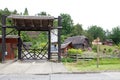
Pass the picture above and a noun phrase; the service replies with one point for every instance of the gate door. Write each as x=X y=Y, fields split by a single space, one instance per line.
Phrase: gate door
x=34 y=54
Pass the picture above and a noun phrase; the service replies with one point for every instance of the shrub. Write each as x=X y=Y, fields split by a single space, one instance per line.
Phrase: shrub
x=74 y=51
x=94 y=48
x=109 y=50
x=67 y=59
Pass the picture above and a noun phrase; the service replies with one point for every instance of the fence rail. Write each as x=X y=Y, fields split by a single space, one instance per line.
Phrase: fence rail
x=78 y=57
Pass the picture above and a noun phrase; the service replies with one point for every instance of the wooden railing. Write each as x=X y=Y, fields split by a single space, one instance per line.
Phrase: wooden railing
x=78 y=57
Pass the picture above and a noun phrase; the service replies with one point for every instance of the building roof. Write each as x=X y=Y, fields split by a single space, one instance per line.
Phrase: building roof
x=32 y=23
x=109 y=40
x=75 y=39
x=65 y=45
x=10 y=36
x=30 y=17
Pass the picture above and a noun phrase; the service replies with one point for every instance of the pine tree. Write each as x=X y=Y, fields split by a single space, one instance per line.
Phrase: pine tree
x=26 y=12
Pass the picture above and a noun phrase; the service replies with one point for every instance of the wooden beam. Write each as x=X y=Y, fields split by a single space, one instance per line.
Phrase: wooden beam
x=49 y=45
x=19 y=46
x=27 y=28
x=3 y=37
x=59 y=37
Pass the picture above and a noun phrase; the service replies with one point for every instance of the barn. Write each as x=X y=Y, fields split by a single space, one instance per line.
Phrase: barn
x=11 y=47
x=78 y=42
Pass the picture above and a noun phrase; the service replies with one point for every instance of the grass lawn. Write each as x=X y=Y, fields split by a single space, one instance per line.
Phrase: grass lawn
x=90 y=66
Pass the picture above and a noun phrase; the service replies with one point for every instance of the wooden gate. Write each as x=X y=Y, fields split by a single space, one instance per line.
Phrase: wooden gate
x=34 y=54
x=31 y=23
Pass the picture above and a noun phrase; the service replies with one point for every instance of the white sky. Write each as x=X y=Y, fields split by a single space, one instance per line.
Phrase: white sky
x=104 y=13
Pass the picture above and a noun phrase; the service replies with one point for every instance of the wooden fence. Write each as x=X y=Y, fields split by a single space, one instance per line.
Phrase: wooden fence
x=78 y=57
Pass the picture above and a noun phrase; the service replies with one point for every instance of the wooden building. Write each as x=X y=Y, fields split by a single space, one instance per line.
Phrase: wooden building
x=11 y=47
x=81 y=42
x=108 y=42
x=65 y=47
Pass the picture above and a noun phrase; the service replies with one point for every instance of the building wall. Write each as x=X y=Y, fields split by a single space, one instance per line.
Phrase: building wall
x=83 y=45
x=64 y=50
x=10 y=51
x=11 y=46
x=78 y=46
x=10 y=40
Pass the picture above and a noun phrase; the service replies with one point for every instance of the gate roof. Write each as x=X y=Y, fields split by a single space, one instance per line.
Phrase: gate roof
x=32 y=23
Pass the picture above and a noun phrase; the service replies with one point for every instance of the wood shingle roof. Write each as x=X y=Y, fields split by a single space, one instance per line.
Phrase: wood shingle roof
x=32 y=23
x=75 y=39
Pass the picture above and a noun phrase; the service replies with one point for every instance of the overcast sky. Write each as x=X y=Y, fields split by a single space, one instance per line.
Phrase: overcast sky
x=104 y=13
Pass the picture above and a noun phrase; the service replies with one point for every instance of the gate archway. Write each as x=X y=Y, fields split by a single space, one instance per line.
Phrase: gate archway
x=31 y=23
x=35 y=50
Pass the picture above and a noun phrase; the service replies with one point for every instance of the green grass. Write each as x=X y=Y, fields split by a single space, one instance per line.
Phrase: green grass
x=106 y=64
x=104 y=67
x=90 y=66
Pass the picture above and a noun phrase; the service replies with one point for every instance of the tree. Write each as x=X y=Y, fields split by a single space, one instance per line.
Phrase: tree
x=26 y=12
x=107 y=34
x=77 y=30
x=95 y=31
x=25 y=37
x=85 y=33
x=6 y=11
x=1 y=12
x=42 y=13
x=41 y=39
x=14 y=12
x=115 y=35
x=67 y=24
x=21 y=13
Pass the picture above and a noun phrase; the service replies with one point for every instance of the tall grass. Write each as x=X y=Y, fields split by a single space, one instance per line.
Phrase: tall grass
x=105 y=64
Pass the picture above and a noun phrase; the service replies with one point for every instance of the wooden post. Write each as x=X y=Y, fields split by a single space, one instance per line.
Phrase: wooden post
x=19 y=46
x=49 y=45
x=98 y=40
x=34 y=53
x=59 y=37
x=97 y=55
x=3 y=37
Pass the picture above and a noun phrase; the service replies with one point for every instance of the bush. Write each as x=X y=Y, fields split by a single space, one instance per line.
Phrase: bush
x=94 y=48
x=67 y=59
x=109 y=50
x=74 y=51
